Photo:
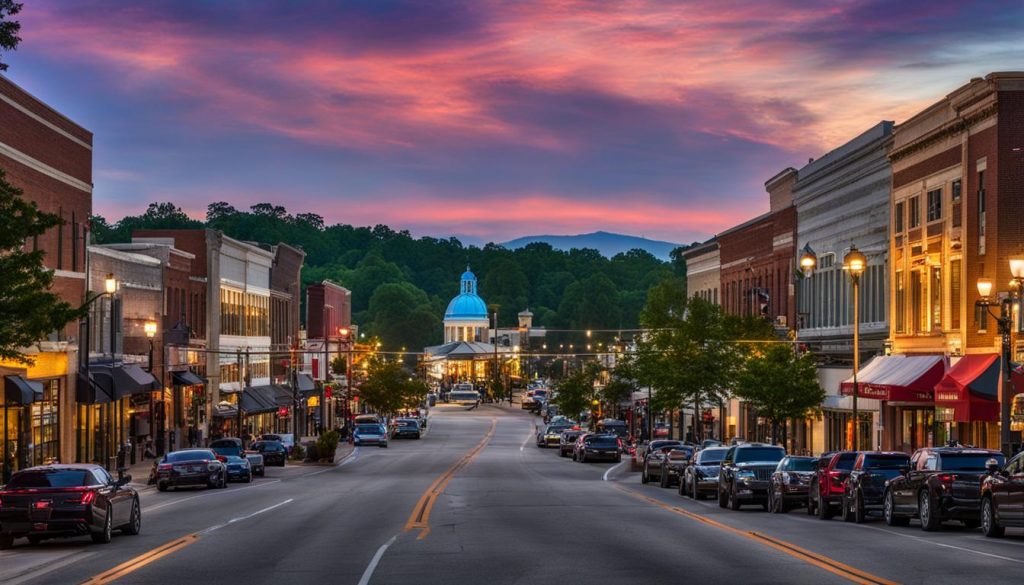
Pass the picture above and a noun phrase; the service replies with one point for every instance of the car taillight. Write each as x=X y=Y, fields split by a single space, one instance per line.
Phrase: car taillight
x=86 y=499
x=164 y=467
x=946 y=478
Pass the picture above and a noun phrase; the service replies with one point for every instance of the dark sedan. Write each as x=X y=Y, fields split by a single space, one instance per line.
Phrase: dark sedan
x=674 y=465
x=56 y=501
x=567 y=441
x=598 y=448
x=652 y=456
x=227 y=447
x=864 y=489
x=238 y=469
x=790 y=483
x=701 y=476
x=191 y=467
x=274 y=452
x=407 y=428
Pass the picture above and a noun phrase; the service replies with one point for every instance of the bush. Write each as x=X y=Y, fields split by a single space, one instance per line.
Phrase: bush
x=327 y=444
x=297 y=453
x=312 y=452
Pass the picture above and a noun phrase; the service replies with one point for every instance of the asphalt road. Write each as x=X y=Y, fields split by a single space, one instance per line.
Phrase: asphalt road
x=475 y=502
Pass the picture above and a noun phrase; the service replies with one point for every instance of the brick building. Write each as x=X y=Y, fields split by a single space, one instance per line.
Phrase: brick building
x=328 y=314
x=703 y=271
x=285 y=299
x=49 y=157
x=957 y=215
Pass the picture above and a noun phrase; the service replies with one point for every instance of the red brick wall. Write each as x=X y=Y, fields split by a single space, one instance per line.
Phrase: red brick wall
x=327 y=309
x=191 y=241
x=926 y=167
x=762 y=267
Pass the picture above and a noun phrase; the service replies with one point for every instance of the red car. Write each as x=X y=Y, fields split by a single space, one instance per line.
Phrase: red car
x=825 y=496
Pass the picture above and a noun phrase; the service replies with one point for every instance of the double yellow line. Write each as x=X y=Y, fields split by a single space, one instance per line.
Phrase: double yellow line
x=831 y=565
x=142 y=560
x=420 y=517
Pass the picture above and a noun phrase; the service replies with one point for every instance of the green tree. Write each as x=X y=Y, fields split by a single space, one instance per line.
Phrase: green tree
x=29 y=310
x=388 y=388
x=778 y=384
x=575 y=393
x=9 y=29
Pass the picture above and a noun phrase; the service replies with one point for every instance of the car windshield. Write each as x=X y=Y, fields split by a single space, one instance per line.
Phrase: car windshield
x=969 y=461
x=801 y=464
x=711 y=456
x=759 y=454
x=233 y=459
x=272 y=446
x=602 y=441
x=886 y=461
x=655 y=445
x=55 y=478
x=188 y=456
x=368 y=429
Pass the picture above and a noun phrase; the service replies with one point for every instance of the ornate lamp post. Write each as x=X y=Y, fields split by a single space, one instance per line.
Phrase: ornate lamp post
x=854 y=263
x=1005 y=323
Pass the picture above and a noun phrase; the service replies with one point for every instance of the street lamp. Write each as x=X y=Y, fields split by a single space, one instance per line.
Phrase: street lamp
x=854 y=263
x=110 y=284
x=1004 y=321
x=109 y=288
x=808 y=259
x=150 y=329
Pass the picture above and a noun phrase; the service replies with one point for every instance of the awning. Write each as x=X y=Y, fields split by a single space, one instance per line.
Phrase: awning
x=95 y=388
x=898 y=378
x=131 y=379
x=257 y=400
x=19 y=391
x=225 y=410
x=186 y=378
x=971 y=389
x=306 y=384
x=283 y=396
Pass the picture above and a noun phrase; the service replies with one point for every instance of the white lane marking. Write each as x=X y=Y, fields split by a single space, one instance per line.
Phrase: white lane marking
x=348 y=459
x=527 y=439
x=611 y=469
x=368 y=573
x=246 y=517
x=212 y=493
x=944 y=545
x=47 y=567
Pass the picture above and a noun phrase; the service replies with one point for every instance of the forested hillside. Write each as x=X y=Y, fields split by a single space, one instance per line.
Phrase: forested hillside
x=401 y=285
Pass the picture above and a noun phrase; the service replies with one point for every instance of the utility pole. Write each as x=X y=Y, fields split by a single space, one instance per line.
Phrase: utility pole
x=494 y=341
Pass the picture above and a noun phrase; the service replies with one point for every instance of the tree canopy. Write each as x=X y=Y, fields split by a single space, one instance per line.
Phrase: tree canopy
x=779 y=384
x=9 y=29
x=412 y=279
x=389 y=388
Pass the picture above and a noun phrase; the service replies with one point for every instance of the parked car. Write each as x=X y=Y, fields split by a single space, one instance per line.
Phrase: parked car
x=595 y=447
x=190 y=467
x=864 y=490
x=790 y=483
x=60 y=501
x=567 y=441
x=701 y=476
x=1002 y=496
x=639 y=452
x=273 y=452
x=616 y=427
x=370 y=434
x=707 y=443
x=825 y=496
x=654 y=454
x=745 y=472
x=407 y=427
x=674 y=465
x=256 y=463
x=238 y=469
x=227 y=447
x=661 y=431
x=941 y=484
x=551 y=434
x=368 y=419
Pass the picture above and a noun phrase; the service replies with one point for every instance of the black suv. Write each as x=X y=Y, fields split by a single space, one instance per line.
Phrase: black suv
x=864 y=488
x=941 y=484
x=1002 y=496
x=745 y=472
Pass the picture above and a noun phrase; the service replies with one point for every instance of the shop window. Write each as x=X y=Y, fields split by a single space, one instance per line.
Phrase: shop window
x=915 y=212
x=935 y=291
x=917 y=302
x=897 y=218
x=934 y=205
x=955 y=282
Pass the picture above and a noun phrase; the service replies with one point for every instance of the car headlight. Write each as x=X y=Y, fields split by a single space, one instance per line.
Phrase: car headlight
x=212 y=467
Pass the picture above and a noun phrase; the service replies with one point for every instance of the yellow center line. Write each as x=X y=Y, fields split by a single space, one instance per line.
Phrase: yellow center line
x=420 y=517
x=142 y=560
x=831 y=565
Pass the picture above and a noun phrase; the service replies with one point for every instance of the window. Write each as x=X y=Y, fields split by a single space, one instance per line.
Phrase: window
x=955 y=279
x=981 y=212
x=826 y=261
x=898 y=218
x=956 y=196
x=935 y=290
x=917 y=300
x=935 y=205
x=915 y=212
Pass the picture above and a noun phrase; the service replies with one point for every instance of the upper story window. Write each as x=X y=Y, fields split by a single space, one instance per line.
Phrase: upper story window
x=897 y=219
x=915 y=212
x=826 y=261
x=935 y=205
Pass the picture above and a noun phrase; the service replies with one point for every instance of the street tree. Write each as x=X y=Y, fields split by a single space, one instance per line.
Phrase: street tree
x=575 y=393
x=388 y=388
x=29 y=310
x=9 y=29
x=778 y=384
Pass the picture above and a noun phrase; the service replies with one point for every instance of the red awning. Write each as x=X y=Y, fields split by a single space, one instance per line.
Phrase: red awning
x=971 y=389
x=898 y=378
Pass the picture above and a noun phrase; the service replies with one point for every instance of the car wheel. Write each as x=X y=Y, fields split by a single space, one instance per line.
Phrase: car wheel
x=6 y=541
x=161 y=487
x=889 y=509
x=618 y=459
x=734 y=501
x=723 y=500
x=134 y=525
x=845 y=512
x=824 y=510
x=248 y=478
x=682 y=487
x=644 y=478
x=104 y=535
x=989 y=523
x=812 y=500
x=694 y=492
x=224 y=481
x=858 y=509
x=929 y=519
x=774 y=506
x=34 y=539
x=663 y=479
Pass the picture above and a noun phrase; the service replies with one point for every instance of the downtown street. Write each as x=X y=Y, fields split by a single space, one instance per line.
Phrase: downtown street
x=510 y=513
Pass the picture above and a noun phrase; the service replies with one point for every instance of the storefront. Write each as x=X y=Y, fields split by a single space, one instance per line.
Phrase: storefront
x=188 y=402
x=967 y=402
x=905 y=384
x=107 y=402
x=31 y=424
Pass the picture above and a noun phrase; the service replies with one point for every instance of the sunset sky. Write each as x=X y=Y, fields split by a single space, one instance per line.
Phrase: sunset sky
x=491 y=120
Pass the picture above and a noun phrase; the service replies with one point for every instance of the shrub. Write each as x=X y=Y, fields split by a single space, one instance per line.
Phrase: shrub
x=297 y=453
x=327 y=444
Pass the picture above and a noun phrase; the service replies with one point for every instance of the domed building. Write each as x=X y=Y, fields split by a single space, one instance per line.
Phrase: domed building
x=466 y=317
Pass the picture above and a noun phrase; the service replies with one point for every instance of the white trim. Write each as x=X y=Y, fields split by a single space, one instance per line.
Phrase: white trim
x=45 y=122
x=43 y=168
x=69 y=274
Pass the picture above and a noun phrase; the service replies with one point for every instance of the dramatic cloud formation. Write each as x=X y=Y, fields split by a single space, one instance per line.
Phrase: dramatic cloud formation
x=492 y=119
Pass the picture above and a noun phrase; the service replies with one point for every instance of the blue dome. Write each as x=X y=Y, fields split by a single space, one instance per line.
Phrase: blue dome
x=468 y=275
x=466 y=306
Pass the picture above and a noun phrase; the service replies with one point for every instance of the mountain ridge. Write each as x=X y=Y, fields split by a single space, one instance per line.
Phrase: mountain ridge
x=607 y=243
